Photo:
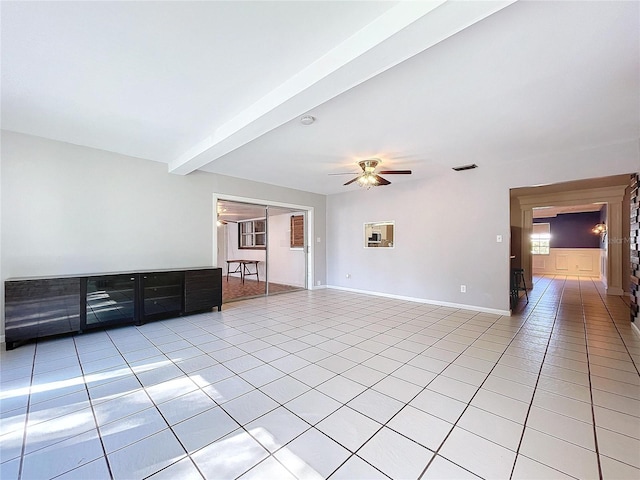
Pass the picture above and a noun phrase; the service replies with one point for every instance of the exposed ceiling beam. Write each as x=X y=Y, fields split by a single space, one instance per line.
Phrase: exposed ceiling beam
x=402 y=32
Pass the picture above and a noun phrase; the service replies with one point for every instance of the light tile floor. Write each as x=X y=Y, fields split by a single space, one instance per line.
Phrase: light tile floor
x=330 y=384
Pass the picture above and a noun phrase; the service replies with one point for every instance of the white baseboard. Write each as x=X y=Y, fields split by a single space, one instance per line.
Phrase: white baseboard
x=474 y=308
x=318 y=287
x=635 y=327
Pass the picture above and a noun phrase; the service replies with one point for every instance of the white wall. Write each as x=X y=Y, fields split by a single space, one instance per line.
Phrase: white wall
x=68 y=209
x=446 y=227
x=444 y=238
x=286 y=265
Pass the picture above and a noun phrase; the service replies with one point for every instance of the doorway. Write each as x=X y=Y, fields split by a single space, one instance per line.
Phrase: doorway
x=563 y=241
x=610 y=192
x=262 y=249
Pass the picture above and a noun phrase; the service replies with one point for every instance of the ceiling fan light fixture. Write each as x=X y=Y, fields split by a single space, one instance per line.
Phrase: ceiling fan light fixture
x=369 y=177
x=368 y=166
x=368 y=180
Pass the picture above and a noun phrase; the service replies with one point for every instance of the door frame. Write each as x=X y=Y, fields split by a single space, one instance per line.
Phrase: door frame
x=309 y=228
x=613 y=196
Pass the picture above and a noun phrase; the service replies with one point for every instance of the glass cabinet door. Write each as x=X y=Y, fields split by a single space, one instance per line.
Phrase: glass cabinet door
x=110 y=300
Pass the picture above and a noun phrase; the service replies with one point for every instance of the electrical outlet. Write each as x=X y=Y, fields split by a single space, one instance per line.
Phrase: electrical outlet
x=463 y=289
x=318 y=282
x=499 y=238
x=348 y=275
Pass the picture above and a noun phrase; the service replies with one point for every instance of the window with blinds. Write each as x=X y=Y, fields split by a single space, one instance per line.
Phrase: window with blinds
x=297 y=231
x=540 y=239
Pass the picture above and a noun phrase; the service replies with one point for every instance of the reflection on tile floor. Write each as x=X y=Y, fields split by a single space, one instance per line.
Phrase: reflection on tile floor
x=331 y=384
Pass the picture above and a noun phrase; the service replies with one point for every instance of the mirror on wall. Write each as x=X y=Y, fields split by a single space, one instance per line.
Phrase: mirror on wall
x=379 y=235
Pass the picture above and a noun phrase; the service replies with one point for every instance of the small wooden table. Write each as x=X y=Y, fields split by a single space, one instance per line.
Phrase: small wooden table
x=242 y=268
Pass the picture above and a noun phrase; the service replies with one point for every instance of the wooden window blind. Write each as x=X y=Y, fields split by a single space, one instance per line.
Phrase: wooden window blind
x=297 y=231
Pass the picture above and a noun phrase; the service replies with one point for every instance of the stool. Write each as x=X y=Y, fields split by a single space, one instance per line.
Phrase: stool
x=517 y=285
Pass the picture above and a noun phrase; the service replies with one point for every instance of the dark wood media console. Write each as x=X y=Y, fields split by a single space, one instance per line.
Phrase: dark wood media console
x=46 y=306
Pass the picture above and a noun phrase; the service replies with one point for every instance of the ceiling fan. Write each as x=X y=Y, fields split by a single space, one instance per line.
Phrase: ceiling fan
x=369 y=178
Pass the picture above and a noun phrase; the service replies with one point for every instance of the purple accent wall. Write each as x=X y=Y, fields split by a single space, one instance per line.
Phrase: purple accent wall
x=573 y=230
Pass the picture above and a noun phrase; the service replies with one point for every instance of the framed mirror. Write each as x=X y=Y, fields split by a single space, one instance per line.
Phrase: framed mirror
x=379 y=235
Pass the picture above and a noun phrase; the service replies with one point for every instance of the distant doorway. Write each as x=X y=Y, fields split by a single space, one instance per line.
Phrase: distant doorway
x=262 y=249
x=606 y=191
x=572 y=248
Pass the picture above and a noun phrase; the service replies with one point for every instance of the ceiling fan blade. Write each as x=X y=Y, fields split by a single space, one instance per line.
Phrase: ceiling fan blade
x=344 y=173
x=382 y=181
x=351 y=181
x=397 y=172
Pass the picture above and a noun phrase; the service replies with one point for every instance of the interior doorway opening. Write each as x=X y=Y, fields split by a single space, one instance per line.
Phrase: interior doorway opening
x=609 y=192
x=564 y=242
x=261 y=248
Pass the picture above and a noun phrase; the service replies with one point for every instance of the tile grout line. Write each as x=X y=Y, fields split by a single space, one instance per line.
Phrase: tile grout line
x=27 y=413
x=93 y=412
x=240 y=426
x=424 y=388
x=142 y=387
x=343 y=404
x=77 y=357
x=370 y=387
x=435 y=452
x=235 y=374
x=366 y=389
x=535 y=387
x=155 y=405
x=406 y=403
x=593 y=413
x=471 y=399
x=611 y=317
x=217 y=405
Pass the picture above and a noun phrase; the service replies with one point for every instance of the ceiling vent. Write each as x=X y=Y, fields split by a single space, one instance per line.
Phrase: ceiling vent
x=471 y=166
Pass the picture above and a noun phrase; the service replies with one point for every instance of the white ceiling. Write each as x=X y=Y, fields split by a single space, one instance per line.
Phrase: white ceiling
x=220 y=86
x=231 y=211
